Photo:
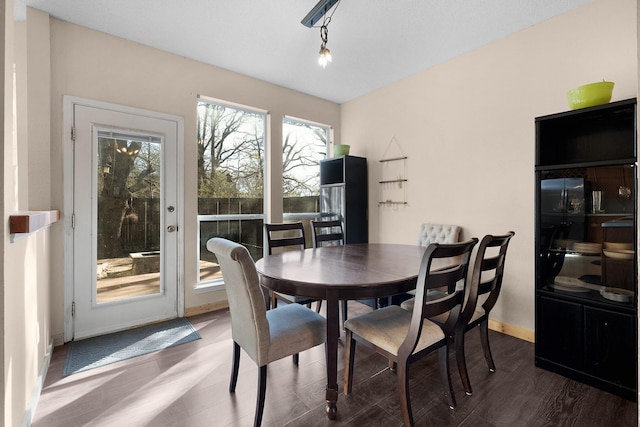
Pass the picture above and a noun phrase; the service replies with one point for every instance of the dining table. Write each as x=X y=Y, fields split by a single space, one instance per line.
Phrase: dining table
x=342 y=272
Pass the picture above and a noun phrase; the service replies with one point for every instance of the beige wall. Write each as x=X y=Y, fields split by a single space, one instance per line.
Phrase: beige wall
x=26 y=275
x=97 y=66
x=467 y=128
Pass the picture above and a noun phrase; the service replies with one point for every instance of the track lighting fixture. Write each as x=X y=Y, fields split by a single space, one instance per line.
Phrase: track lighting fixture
x=319 y=11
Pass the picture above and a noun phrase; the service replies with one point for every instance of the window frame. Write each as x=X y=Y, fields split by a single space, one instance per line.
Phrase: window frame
x=218 y=283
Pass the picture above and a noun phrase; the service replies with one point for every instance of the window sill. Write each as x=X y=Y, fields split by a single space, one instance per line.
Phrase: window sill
x=211 y=286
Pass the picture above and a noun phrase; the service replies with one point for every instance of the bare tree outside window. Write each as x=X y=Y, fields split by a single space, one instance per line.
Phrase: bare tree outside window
x=304 y=145
x=128 y=182
x=230 y=152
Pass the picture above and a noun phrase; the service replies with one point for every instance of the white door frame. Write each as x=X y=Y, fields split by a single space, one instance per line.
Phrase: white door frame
x=69 y=102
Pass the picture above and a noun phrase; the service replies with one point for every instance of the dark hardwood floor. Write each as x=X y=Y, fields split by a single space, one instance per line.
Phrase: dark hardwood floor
x=187 y=385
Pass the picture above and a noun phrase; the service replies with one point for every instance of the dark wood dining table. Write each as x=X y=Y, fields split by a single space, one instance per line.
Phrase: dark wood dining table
x=337 y=273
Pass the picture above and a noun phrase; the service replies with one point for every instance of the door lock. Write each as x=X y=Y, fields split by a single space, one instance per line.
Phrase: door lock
x=171 y=208
x=171 y=228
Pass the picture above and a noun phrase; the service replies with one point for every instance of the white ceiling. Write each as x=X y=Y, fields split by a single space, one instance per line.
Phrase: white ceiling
x=373 y=42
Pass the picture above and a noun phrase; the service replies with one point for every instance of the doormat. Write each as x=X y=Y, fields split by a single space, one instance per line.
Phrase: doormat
x=94 y=352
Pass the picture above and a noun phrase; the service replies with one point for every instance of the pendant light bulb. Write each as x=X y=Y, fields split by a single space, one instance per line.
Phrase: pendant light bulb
x=325 y=53
x=325 y=56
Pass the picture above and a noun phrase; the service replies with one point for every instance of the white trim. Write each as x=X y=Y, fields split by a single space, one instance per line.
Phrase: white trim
x=234 y=105
x=318 y=124
x=67 y=195
x=32 y=404
x=68 y=119
x=209 y=286
x=310 y=122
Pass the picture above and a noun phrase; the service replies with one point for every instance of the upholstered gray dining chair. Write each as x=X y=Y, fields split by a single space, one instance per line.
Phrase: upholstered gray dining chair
x=486 y=281
x=438 y=233
x=404 y=337
x=434 y=233
x=265 y=335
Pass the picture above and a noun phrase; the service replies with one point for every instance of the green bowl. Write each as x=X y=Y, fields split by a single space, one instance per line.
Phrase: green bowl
x=590 y=94
x=340 y=150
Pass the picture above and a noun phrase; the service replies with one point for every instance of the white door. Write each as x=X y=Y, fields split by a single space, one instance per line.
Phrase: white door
x=125 y=219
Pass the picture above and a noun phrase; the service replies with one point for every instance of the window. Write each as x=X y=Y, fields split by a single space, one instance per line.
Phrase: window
x=304 y=145
x=231 y=147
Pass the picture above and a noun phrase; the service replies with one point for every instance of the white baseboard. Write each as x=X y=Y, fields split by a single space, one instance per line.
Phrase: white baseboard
x=37 y=388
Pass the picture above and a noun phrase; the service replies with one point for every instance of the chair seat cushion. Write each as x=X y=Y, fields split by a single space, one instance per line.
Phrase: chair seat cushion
x=387 y=328
x=294 y=328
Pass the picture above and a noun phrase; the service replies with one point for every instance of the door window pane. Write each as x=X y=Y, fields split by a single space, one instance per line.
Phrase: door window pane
x=128 y=223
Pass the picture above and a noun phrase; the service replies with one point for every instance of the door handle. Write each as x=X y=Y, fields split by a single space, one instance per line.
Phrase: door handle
x=171 y=228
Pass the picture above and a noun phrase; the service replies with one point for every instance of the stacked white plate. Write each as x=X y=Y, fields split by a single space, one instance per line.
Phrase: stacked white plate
x=569 y=284
x=617 y=246
x=618 y=250
x=617 y=294
x=620 y=254
x=587 y=247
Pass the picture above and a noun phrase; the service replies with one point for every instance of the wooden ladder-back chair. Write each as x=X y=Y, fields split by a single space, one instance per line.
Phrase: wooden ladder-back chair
x=406 y=336
x=265 y=335
x=486 y=280
x=287 y=235
x=329 y=233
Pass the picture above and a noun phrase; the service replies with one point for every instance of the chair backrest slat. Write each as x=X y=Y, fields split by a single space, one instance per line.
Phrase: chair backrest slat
x=278 y=235
x=327 y=231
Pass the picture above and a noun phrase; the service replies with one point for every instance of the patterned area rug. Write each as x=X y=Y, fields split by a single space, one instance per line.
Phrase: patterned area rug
x=99 y=351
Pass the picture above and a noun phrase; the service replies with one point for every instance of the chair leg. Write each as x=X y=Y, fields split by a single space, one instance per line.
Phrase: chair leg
x=318 y=306
x=296 y=359
x=344 y=313
x=403 y=389
x=445 y=376
x=350 y=356
x=235 y=366
x=274 y=300
x=484 y=339
x=262 y=391
x=462 y=361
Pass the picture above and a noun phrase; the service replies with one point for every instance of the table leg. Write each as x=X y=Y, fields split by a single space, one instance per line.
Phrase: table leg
x=333 y=336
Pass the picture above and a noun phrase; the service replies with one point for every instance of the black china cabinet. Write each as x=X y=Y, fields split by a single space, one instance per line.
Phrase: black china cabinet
x=343 y=195
x=585 y=246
